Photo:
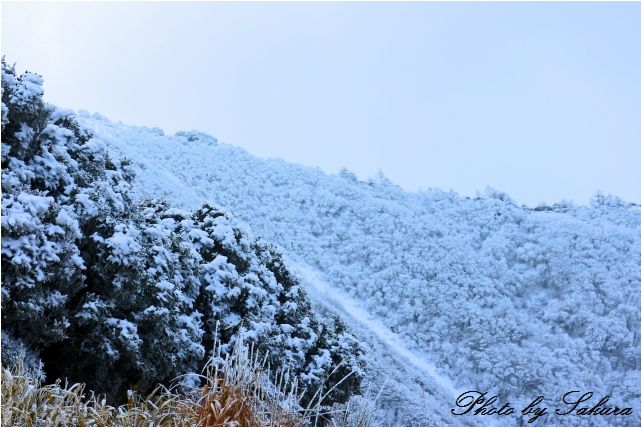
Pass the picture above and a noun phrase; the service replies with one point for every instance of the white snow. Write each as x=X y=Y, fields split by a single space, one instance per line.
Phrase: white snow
x=473 y=293
x=335 y=299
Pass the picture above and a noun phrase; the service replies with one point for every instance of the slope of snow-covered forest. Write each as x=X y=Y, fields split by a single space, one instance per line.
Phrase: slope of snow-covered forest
x=489 y=295
x=126 y=253
x=123 y=293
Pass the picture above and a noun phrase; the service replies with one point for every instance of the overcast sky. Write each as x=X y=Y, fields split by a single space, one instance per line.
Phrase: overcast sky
x=540 y=100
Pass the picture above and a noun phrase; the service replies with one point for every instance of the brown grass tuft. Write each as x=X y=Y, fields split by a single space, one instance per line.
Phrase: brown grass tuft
x=224 y=405
x=237 y=392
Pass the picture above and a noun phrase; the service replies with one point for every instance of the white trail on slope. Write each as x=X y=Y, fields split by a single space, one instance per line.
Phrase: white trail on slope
x=331 y=297
x=328 y=295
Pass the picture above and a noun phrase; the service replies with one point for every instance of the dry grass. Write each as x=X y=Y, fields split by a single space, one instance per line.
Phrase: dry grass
x=237 y=391
x=25 y=402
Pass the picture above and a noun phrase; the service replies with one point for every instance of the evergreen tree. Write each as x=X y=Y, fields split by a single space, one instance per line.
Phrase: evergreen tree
x=117 y=292
x=41 y=263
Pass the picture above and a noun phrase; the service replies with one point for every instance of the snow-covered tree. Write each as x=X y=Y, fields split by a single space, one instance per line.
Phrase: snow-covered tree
x=41 y=263
x=117 y=291
x=247 y=290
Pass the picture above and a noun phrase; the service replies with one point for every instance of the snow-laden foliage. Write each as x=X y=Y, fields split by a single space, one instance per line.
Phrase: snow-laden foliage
x=503 y=298
x=123 y=292
x=16 y=354
x=248 y=289
x=41 y=263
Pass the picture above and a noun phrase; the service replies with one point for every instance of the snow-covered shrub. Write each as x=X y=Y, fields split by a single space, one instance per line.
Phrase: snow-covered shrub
x=41 y=263
x=248 y=291
x=135 y=317
x=192 y=136
x=116 y=292
x=16 y=354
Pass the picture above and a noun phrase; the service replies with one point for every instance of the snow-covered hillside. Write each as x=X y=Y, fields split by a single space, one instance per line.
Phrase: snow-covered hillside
x=489 y=295
x=121 y=293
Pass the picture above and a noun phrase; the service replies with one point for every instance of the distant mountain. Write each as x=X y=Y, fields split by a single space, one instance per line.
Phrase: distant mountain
x=463 y=293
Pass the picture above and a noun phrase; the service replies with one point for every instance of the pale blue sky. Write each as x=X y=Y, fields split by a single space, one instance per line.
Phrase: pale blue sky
x=540 y=100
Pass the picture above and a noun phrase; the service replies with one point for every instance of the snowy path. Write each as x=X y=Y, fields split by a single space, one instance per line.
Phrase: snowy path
x=336 y=301
x=329 y=295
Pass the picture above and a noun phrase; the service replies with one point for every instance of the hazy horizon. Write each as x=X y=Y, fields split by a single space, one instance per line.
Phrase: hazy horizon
x=540 y=100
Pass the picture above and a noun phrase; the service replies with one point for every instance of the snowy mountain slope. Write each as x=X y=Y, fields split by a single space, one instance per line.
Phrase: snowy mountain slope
x=394 y=364
x=325 y=292
x=122 y=293
x=516 y=301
